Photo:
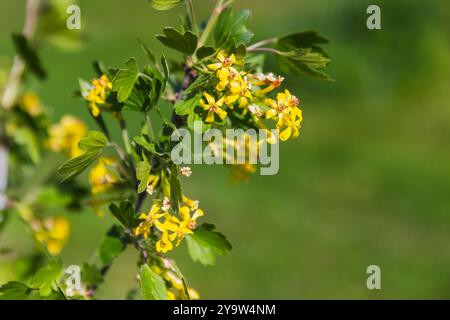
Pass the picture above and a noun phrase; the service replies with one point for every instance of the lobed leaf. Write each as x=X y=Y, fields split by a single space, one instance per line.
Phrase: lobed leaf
x=185 y=43
x=153 y=286
x=125 y=79
x=205 y=244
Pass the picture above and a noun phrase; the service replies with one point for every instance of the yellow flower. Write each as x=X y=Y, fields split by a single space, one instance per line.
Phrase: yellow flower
x=31 y=104
x=224 y=61
x=52 y=232
x=291 y=124
x=186 y=225
x=285 y=101
x=97 y=95
x=225 y=72
x=270 y=80
x=102 y=176
x=213 y=107
x=192 y=204
x=149 y=220
x=239 y=90
x=65 y=136
x=165 y=243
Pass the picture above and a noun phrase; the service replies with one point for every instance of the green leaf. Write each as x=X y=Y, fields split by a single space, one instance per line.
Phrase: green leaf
x=164 y=4
x=125 y=80
x=142 y=173
x=305 y=62
x=139 y=99
x=73 y=167
x=185 y=107
x=124 y=212
x=194 y=117
x=153 y=286
x=231 y=29
x=144 y=143
x=148 y=52
x=205 y=52
x=14 y=290
x=93 y=146
x=28 y=55
x=90 y=275
x=166 y=71
x=300 y=53
x=305 y=39
x=26 y=137
x=45 y=279
x=94 y=142
x=185 y=43
x=205 y=244
x=112 y=245
x=175 y=188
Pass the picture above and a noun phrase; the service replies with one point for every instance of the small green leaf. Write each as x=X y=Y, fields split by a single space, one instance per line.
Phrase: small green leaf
x=231 y=29
x=194 y=117
x=205 y=52
x=90 y=275
x=185 y=107
x=164 y=4
x=94 y=141
x=14 y=290
x=112 y=245
x=166 y=71
x=29 y=55
x=175 y=188
x=93 y=146
x=45 y=279
x=305 y=62
x=142 y=173
x=300 y=53
x=185 y=43
x=205 y=244
x=148 y=146
x=153 y=286
x=124 y=213
x=148 y=52
x=73 y=167
x=124 y=81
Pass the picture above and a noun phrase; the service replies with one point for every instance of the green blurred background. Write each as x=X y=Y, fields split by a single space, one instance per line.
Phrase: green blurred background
x=367 y=182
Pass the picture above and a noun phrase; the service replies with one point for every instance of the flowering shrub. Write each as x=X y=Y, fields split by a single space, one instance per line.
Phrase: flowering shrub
x=219 y=83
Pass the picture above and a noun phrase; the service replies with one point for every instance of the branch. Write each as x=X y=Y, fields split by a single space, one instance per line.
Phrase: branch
x=262 y=43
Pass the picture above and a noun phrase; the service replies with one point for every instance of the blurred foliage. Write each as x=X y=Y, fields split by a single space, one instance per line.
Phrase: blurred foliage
x=367 y=184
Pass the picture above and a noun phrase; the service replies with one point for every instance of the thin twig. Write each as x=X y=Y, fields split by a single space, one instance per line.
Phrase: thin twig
x=263 y=50
x=262 y=43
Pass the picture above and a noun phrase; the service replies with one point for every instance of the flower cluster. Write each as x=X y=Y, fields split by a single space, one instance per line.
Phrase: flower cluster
x=52 y=232
x=171 y=227
x=97 y=94
x=234 y=86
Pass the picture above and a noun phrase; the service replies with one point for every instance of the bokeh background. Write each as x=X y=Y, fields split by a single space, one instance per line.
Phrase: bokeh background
x=367 y=182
